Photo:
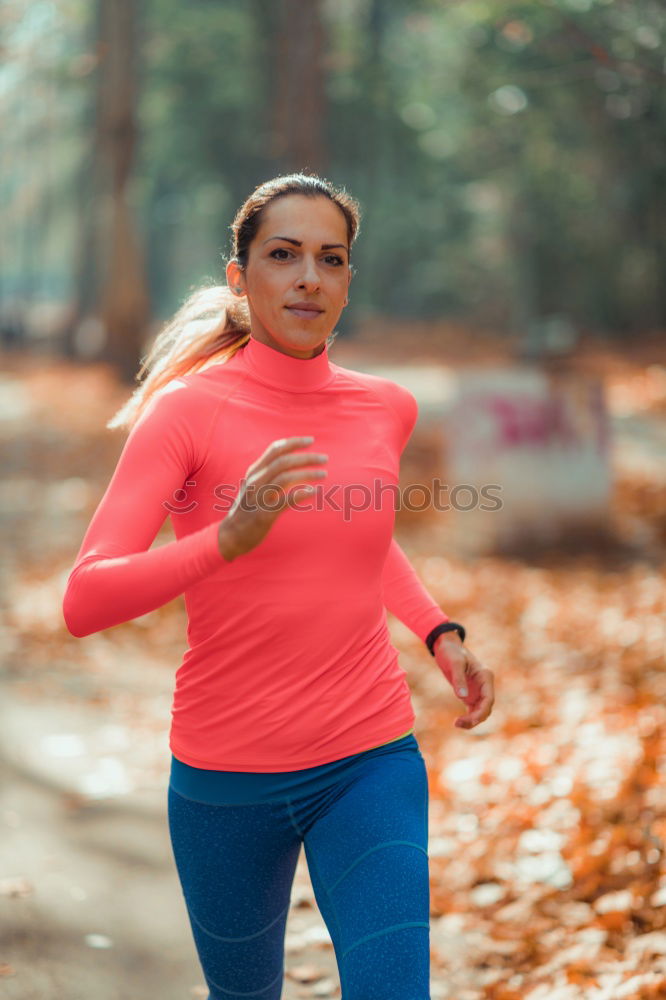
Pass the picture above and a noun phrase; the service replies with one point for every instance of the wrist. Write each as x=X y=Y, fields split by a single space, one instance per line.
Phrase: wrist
x=445 y=628
x=445 y=637
x=225 y=542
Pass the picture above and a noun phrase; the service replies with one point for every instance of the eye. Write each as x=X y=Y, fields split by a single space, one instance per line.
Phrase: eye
x=331 y=256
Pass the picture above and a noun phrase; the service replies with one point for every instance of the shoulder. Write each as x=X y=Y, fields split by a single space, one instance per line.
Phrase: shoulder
x=396 y=397
x=194 y=397
x=174 y=426
x=177 y=416
x=178 y=400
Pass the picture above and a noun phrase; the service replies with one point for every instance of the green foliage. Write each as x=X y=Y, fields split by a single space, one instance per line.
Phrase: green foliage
x=509 y=157
x=493 y=147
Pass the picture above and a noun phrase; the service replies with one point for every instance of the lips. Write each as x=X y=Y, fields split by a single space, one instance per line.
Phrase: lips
x=305 y=311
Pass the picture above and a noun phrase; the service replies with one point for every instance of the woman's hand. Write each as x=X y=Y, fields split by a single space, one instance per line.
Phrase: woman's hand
x=471 y=681
x=252 y=514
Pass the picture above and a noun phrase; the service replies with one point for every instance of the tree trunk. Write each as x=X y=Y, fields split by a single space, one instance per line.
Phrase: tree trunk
x=124 y=301
x=299 y=108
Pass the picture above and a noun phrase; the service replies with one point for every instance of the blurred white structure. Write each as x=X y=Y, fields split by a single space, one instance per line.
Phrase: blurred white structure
x=544 y=440
x=526 y=451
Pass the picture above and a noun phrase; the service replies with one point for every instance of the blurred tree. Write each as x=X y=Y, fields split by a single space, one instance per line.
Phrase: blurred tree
x=299 y=102
x=509 y=157
x=566 y=115
x=124 y=303
x=111 y=282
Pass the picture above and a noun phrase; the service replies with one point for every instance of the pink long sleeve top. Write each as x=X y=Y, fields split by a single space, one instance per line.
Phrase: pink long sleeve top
x=289 y=662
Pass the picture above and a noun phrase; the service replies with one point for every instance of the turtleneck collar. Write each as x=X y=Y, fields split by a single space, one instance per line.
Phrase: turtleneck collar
x=282 y=371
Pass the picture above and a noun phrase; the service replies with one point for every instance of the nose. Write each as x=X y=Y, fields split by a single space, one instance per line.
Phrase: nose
x=309 y=277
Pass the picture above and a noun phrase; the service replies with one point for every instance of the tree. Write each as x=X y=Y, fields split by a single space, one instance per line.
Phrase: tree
x=299 y=112
x=111 y=274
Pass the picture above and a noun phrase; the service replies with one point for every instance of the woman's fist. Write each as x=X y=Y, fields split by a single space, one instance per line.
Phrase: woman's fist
x=271 y=484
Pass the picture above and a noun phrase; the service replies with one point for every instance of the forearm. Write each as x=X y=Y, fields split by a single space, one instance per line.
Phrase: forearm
x=105 y=590
x=406 y=597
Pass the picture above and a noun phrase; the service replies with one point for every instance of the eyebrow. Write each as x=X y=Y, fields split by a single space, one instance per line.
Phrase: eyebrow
x=298 y=243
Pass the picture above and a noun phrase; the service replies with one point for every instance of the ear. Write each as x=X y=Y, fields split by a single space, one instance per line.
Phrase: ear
x=235 y=278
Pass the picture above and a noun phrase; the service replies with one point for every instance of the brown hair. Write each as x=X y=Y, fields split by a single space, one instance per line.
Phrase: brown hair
x=213 y=323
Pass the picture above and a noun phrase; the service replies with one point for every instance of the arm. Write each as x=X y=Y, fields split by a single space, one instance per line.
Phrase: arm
x=404 y=594
x=406 y=597
x=115 y=576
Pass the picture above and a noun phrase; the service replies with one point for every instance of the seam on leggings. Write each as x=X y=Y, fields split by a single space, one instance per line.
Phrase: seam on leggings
x=245 y=937
x=251 y=993
x=292 y=817
x=385 y=930
x=425 y=812
x=221 y=805
x=343 y=978
x=386 y=843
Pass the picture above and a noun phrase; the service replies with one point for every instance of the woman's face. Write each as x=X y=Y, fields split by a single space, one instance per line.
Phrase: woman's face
x=299 y=254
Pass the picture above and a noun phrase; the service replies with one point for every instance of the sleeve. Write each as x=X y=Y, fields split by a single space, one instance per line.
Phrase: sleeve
x=404 y=594
x=116 y=576
x=406 y=597
x=404 y=402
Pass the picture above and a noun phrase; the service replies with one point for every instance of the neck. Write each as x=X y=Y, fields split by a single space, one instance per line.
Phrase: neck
x=284 y=371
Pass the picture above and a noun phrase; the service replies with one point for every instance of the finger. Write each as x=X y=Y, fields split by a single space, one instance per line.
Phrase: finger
x=300 y=493
x=294 y=475
x=280 y=447
x=474 y=717
x=468 y=721
x=298 y=486
x=274 y=495
x=482 y=678
x=464 y=672
x=475 y=701
x=477 y=704
x=292 y=468
x=458 y=665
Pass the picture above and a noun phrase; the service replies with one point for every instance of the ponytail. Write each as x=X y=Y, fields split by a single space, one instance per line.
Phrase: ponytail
x=210 y=326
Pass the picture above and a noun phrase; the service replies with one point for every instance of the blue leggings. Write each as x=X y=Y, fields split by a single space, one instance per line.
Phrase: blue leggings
x=365 y=836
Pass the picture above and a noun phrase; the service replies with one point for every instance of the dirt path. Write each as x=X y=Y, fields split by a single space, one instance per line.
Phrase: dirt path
x=90 y=903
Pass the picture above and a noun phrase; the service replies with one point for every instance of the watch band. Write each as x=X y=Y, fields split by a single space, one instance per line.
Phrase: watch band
x=444 y=627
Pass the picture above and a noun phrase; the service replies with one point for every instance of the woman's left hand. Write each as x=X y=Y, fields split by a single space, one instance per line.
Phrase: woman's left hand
x=466 y=674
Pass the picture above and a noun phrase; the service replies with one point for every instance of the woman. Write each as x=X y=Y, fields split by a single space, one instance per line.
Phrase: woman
x=292 y=720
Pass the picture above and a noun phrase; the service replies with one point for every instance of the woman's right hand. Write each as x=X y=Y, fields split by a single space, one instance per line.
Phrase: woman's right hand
x=248 y=522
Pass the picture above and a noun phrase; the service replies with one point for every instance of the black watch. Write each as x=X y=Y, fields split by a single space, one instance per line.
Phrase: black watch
x=444 y=627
